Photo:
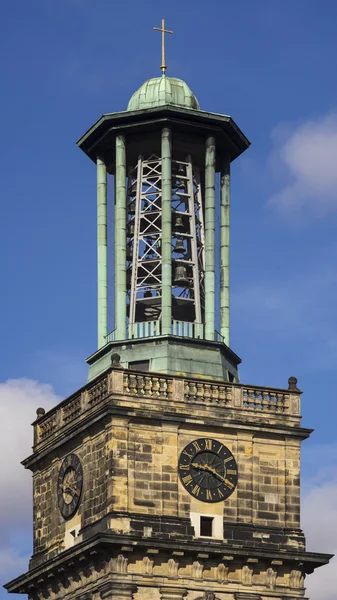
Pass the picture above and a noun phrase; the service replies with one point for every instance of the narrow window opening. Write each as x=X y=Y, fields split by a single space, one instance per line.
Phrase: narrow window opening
x=206 y=526
x=230 y=376
x=140 y=365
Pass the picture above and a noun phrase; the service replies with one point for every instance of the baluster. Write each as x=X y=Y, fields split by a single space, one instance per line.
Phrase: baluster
x=228 y=394
x=155 y=386
x=162 y=387
x=207 y=391
x=265 y=402
x=279 y=402
x=222 y=394
x=140 y=384
x=215 y=393
x=187 y=390
x=126 y=383
x=200 y=391
x=170 y=389
x=250 y=399
x=272 y=401
x=258 y=402
x=148 y=386
x=193 y=391
x=133 y=384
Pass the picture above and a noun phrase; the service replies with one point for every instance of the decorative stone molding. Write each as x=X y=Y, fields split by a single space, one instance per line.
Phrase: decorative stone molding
x=245 y=596
x=115 y=590
x=85 y=596
x=222 y=573
x=147 y=566
x=197 y=570
x=271 y=576
x=247 y=575
x=172 y=593
x=296 y=579
x=173 y=567
x=121 y=564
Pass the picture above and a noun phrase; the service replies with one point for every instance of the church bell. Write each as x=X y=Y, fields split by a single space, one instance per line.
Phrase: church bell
x=180 y=277
x=179 y=222
x=179 y=247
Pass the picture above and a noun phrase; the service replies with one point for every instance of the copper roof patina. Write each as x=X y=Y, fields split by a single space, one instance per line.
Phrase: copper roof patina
x=161 y=91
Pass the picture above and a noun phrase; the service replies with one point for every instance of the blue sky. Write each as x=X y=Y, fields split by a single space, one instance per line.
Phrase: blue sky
x=271 y=65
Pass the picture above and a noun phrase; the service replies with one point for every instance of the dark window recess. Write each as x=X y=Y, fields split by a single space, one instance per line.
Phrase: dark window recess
x=139 y=365
x=230 y=376
x=206 y=526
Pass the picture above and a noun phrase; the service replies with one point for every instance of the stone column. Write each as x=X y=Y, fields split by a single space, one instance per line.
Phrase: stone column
x=210 y=238
x=115 y=590
x=120 y=239
x=224 y=250
x=102 y=255
x=166 y=157
x=167 y=593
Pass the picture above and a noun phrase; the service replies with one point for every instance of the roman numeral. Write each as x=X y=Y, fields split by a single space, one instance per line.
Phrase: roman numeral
x=226 y=460
x=208 y=495
x=231 y=472
x=196 y=490
x=187 y=479
x=196 y=446
x=220 y=449
x=208 y=444
x=187 y=454
x=184 y=467
x=220 y=493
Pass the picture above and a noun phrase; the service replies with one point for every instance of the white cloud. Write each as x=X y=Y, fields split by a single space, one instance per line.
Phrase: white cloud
x=319 y=521
x=19 y=399
x=307 y=158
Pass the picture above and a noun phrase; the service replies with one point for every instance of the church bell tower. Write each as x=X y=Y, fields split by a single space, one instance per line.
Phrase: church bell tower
x=164 y=477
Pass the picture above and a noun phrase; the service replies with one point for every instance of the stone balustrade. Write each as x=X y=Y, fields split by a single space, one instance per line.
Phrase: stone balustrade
x=120 y=385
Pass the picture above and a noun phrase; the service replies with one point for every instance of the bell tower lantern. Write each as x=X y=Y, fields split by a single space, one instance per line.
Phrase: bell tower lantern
x=170 y=162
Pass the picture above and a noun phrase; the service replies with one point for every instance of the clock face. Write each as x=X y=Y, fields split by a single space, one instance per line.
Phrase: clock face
x=208 y=470
x=69 y=485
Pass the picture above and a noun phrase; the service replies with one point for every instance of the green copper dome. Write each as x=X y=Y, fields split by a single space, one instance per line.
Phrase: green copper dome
x=163 y=90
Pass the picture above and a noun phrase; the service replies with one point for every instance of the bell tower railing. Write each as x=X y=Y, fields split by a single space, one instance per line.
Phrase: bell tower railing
x=149 y=329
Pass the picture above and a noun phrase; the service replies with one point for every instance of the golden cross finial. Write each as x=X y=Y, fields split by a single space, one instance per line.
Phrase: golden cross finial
x=163 y=66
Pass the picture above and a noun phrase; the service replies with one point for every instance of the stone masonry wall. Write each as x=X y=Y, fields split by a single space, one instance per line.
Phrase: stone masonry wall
x=130 y=471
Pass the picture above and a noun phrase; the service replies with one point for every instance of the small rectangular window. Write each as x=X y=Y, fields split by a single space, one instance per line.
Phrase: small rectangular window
x=206 y=526
x=139 y=365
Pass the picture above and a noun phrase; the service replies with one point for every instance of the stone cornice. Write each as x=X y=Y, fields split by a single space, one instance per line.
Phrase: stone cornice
x=100 y=545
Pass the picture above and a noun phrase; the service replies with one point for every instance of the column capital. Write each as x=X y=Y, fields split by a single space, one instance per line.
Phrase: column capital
x=117 y=590
x=171 y=593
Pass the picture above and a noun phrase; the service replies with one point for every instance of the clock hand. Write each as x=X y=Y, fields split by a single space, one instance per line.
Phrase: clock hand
x=69 y=487
x=209 y=469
